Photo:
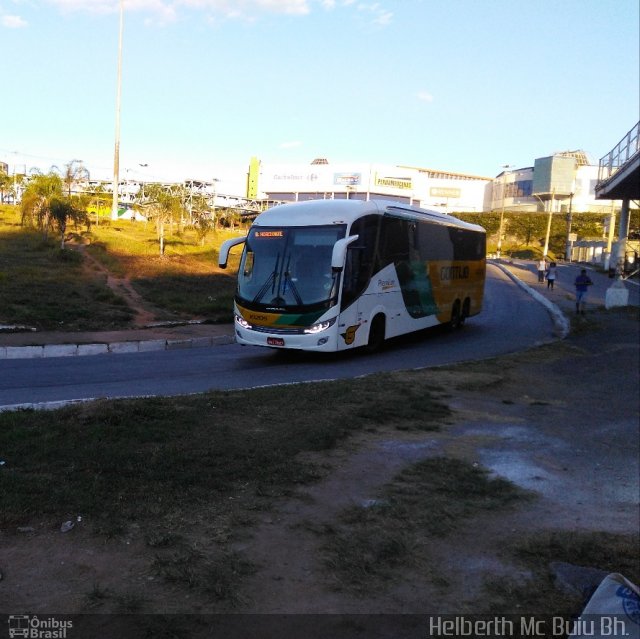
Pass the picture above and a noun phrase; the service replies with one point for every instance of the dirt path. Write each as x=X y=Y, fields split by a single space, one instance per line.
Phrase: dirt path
x=560 y=421
x=121 y=286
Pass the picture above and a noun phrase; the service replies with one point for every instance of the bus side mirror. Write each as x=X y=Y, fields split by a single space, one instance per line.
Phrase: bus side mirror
x=226 y=247
x=340 y=251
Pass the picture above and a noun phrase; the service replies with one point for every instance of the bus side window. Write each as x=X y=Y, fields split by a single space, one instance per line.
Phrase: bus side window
x=350 y=277
x=435 y=243
x=469 y=246
x=361 y=258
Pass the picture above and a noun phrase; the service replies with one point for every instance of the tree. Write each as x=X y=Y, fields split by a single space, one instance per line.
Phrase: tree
x=202 y=217
x=5 y=185
x=526 y=226
x=74 y=173
x=44 y=203
x=158 y=204
x=35 y=206
x=68 y=209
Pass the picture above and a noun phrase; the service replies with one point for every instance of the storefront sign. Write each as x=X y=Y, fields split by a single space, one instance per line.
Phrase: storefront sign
x=441 y=191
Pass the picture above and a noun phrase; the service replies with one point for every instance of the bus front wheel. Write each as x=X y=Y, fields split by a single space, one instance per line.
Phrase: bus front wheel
x=376 y=334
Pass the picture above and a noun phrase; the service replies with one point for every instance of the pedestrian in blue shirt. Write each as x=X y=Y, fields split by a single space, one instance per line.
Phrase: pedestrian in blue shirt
x=582 y=283
x=552 y=273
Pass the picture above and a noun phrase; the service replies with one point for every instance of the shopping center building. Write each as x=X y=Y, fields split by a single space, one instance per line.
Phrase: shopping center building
x=558 y=183
x=561 y=182
x=440 y=190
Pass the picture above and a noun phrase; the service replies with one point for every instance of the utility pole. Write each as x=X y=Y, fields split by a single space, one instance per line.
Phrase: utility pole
x=506 y=167
x=116 y=153
x=569 y=243
x=548 y=234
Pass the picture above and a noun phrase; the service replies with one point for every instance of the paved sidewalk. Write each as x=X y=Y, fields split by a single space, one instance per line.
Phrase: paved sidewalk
x=563 y=293
x=29 y=344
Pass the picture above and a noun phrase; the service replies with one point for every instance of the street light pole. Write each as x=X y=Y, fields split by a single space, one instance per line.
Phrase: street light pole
x=15 y=178
x=213 y=201
x=506 y=167
x=548 y=234
x=116 y=153
x=569 y=243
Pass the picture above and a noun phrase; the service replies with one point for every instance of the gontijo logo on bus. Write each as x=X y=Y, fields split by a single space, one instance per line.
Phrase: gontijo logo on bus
x=454 y=273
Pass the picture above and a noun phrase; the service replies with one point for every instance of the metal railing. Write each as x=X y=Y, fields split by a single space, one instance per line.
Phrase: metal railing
x=624 y=151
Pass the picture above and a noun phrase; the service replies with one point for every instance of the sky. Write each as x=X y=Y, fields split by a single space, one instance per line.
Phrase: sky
x=456 y=85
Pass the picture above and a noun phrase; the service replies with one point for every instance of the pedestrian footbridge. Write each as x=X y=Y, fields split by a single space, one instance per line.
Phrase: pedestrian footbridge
x=619 y=171
x=619 y=179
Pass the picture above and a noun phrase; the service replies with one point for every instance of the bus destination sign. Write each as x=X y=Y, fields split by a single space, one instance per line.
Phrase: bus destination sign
x=268 y=234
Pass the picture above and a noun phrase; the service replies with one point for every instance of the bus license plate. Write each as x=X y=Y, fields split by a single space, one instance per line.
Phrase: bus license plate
x=275 y=341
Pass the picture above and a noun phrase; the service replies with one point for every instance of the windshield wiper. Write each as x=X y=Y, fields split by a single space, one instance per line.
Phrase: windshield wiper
x=292 y=286
x=270 y=282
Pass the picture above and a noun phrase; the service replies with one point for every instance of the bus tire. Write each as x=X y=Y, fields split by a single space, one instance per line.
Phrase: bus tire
x=456 y=316
x=466 y=307
x=376 y=334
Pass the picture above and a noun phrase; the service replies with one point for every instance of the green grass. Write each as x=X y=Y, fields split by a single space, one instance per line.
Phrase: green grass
x=606 y=551
x=122 y=461
x=181 y=467
x=46 y=288
x=186 y=280
x=209 y=296
x=217 y=574
x=428 y=499
x=538 y=594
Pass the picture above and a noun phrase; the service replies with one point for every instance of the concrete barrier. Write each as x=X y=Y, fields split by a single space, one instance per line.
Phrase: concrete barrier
x=24 y=352
x=93 y=349
x=60 y=350
x=124 y=347
x=152 y=345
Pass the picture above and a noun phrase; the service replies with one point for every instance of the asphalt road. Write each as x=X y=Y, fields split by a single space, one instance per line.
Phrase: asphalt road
x=511 y=321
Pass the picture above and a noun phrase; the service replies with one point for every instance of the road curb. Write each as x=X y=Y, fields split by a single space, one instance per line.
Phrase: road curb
x=561 y=329
x=114 y=348
x=561 y=323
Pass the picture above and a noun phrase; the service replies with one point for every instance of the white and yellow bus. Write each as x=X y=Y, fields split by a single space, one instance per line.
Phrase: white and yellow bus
x=331 y=275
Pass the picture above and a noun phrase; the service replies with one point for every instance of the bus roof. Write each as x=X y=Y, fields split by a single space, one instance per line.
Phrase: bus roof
x=321 y=212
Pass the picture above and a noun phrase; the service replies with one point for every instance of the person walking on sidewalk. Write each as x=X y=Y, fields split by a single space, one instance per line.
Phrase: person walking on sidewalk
x=582 y=283
x=542 y=268
x=552 y=273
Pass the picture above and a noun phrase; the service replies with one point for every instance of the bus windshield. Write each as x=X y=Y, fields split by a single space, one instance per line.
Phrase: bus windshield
x=285 y=268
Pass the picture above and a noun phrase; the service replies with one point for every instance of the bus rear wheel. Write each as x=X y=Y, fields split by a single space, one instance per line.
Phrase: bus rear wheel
x=376 y=334
x=456 y=316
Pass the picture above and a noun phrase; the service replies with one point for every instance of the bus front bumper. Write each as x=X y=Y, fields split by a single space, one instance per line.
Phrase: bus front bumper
x=324 y=341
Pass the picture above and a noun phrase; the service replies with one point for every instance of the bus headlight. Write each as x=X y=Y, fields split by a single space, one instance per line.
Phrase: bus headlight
x=319 y=327
x=242 y=322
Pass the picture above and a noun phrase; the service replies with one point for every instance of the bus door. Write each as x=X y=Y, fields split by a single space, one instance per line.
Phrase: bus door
x=359 y=293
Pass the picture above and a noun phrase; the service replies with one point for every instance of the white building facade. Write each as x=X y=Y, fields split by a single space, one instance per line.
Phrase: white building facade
x=443 y=191
x=558 y=183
